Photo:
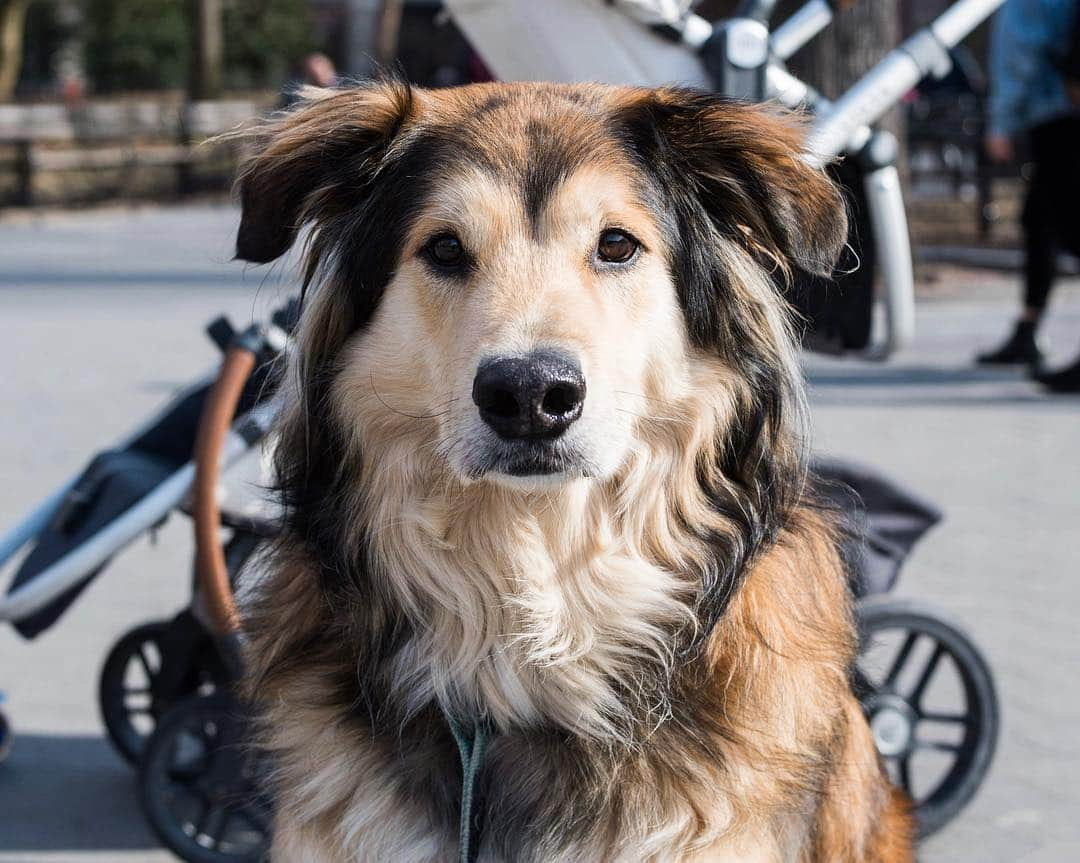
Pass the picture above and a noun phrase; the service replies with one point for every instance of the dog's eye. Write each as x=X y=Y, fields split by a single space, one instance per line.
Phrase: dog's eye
x=446 y=250
x=616 y=247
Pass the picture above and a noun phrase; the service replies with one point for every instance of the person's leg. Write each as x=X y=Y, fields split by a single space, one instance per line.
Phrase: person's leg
x=1065 y=147
x=1040 y=245
x=1040 y=257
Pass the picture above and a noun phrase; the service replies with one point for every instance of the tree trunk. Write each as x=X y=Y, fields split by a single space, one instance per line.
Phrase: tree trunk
x=12 y=22
x=361 y=37
x=209 y=50
x=856 y=40
x=389 y=27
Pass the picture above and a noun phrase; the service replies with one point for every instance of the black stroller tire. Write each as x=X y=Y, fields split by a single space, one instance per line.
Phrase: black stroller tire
x=116 y=711
x=182 y=661
x=980 y=721
x=217 y=781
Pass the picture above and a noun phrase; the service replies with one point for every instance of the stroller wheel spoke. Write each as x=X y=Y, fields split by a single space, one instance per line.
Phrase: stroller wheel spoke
x=938 y=746
x=927 y=673
x=900 y=660
x=197 y=789
x=147 y=665
x=252 y=817
x=904 y=767
x=945 y=718
x=212 y=822
x=217 y=837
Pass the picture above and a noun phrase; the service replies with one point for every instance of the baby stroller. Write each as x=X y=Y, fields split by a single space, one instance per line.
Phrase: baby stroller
x=122 y=493
x=927 y=691
x=201 y=783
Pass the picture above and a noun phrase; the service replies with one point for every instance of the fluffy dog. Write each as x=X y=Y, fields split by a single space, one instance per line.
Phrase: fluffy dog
x=544 y=474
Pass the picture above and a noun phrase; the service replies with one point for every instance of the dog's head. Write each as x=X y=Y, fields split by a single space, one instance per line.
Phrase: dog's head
x=522 y=284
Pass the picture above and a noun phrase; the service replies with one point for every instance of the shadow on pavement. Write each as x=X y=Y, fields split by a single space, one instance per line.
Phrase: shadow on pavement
x=915 y=386
x=61 y=793
x=1034 y=400
x=874 y=374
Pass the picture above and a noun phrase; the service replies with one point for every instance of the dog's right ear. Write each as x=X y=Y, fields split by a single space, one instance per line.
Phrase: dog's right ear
x=314 y=161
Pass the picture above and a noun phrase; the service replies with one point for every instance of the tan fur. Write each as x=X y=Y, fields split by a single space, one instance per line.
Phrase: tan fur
x=565 y=611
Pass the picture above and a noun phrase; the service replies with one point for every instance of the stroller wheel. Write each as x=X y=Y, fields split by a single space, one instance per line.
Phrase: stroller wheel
x=199 y=783
x=127 y=690
x=931 y=703
x=133 y=691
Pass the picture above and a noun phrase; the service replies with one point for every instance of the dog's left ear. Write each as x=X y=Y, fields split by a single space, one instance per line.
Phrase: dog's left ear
x=747 y=168
x=315 y=161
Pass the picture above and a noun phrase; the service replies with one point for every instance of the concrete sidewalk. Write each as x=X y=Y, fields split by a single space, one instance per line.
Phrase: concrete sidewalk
x=100 y=320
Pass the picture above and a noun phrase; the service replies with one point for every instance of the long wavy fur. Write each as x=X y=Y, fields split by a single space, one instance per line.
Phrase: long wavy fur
x=685 y=687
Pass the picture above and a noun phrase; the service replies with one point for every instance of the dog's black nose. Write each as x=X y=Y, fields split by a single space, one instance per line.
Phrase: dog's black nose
x=536 y=396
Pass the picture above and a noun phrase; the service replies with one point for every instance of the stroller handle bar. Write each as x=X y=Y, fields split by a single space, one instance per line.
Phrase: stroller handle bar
x=924 y=53
x=800 y=28
x=215 y=422
x=229 y=443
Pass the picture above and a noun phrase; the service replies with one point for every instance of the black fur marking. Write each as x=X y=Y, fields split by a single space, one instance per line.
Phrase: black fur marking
x=552 y=157
x=275 y=196
x=753 y=491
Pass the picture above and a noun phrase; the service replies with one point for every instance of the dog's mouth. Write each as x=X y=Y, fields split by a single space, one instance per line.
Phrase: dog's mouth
x=534 y=460
x=525 y=459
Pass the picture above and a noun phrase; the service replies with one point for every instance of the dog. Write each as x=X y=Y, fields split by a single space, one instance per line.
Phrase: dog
x=543 y=465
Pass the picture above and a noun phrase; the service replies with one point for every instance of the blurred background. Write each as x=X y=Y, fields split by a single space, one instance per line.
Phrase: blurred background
x=115 y=99
x=117 y=227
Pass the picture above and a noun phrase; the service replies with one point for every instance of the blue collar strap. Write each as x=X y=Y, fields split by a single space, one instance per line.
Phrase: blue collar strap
x=471 y=745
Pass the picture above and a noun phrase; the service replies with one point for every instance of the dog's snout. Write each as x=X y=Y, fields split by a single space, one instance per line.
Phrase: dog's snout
x=535 y=396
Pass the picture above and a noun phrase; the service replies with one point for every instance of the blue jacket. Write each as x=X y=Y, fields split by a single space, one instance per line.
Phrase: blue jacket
x=1029 y=41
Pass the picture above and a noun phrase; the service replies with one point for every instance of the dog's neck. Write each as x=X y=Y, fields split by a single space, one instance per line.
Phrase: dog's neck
x=567 y=608
x=529 y=608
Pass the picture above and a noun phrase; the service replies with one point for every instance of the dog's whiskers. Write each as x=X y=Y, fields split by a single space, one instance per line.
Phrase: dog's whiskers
x=424 y=416
x=643 y=396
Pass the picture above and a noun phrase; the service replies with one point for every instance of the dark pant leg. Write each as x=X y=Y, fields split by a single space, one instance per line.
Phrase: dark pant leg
x=1051 y=217
x=1040 y=248
x=1040 y=245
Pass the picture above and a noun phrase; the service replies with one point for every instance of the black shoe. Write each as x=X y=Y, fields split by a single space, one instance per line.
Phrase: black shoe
x=1067 y=380
x=1021 y=349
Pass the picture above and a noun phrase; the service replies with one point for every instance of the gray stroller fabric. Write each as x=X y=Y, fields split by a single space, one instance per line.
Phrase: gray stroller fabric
x=884 y=520
x=111 y=484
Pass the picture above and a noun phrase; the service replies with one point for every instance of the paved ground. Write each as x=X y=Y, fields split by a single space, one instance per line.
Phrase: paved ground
x=100 y=318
